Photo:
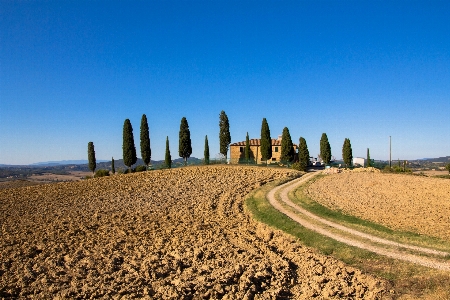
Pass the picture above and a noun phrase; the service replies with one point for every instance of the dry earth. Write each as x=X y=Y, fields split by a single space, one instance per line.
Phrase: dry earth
x=411 y=203
x=171 y=234
x=49 y=177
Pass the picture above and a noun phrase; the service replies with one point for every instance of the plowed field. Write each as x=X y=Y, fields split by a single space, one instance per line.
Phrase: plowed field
x=411 y=203
x=170 y=234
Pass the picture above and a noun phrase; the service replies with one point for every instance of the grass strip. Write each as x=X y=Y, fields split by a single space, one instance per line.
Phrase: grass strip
x=406 y=279
x=299 y=197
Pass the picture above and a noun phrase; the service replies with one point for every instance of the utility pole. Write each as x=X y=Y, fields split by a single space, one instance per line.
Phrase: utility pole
x=390 y=152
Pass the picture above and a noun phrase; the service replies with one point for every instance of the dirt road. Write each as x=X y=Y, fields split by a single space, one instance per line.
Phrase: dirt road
x=358 y=239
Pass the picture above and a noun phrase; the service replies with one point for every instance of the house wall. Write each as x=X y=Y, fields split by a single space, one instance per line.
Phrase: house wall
x=236 y=153
x=359 y=161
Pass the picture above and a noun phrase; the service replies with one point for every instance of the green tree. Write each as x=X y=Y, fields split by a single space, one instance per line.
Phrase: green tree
x=91 y=157
x=287 y=147
x=206 y=153
x=347 y=153
x=128 y=147
x=266 y=141
x=325 y=149
x=303 y=154
x=224 y=133
x=113 y=169
x=247 y=149
x=447 y=166
x=369 y=162
x=168 y=157
x=184 y=144
x=146 y=152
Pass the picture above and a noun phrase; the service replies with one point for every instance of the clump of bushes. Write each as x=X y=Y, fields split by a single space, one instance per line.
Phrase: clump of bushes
x=140 y=169
x=101 y=173
x=397 y=169
x=298 y=166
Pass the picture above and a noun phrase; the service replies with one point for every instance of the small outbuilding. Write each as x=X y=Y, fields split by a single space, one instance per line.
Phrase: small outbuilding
x=359 y=161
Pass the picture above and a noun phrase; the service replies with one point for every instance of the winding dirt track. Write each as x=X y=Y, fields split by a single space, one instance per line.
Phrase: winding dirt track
x=360 y=240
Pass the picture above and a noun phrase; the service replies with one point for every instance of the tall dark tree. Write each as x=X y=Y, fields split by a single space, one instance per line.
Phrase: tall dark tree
x=146 y=151
x=168 y=157
x=347 y=153
x=369 y=162
x=325 y=149
x=224 y=133
x=206 y=153
x=247 y=149
x=266 y=141
x=287 y=147
x=303 y=154
x=113 y=169
x=184 y=144
x=128 y=147
x=91 y=157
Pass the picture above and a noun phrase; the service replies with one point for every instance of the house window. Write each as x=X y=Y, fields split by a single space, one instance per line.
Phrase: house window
x=274 y=159
x=276 y=149
x=241 y=149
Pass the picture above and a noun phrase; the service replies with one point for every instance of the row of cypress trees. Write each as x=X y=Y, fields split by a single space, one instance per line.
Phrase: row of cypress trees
x=185 y=145
x=184 y=149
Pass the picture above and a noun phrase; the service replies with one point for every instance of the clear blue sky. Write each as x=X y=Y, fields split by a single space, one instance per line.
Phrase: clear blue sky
x=72 y=71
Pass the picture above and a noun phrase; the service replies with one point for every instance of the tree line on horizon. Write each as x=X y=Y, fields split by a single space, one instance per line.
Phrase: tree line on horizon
x=301 y=160
x=184 y=144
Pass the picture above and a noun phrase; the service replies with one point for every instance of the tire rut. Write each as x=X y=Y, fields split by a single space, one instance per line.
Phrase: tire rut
x=298 y=215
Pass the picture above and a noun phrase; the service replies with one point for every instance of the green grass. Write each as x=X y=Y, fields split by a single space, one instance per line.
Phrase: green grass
x=405 y=278
x=298 y=197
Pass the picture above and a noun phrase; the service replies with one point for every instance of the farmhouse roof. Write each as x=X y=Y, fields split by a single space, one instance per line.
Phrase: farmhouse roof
x=257 y=142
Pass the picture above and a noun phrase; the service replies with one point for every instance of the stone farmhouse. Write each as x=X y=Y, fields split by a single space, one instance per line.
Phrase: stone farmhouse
x=237 y=151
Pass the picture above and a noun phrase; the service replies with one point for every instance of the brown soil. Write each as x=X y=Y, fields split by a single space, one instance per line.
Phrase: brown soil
x=171 y=234
x=49 y=177
x=402 y=202
x=12 y=184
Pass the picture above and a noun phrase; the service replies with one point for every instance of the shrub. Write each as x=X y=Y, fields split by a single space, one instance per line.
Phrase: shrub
x=101 y=173
x=140 y=169
x=298 y=166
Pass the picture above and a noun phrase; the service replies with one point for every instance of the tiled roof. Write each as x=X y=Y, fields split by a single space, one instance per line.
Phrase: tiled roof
x=257 y=142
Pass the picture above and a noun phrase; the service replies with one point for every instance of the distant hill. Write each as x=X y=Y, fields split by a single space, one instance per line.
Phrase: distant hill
x=439 y=159
x=66 y=166
x=118 y=164
x=63 y=162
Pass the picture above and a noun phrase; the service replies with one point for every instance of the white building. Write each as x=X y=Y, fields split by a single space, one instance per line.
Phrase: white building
x=359 y=161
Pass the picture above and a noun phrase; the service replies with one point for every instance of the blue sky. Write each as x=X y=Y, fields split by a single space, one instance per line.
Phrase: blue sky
x=72 y=71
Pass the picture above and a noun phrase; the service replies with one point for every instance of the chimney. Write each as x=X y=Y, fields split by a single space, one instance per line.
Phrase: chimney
x=279 y=137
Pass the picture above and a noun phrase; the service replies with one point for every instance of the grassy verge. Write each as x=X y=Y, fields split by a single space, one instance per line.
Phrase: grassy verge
x=298 y=197
x=408 y=280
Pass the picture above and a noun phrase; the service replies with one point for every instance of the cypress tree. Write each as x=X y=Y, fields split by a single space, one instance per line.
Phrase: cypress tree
x=146 y=152
x=91 y=157
x=287 y=147
x=369 y=163
x=129 y=150
x=113 y=169
x=347 y=153
x=303 y=154
x=206 y=151
x=266 y=141
x=247 y=149
x=184 y=142
x=325 y=149
x=168 y=158
x=224 y=133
